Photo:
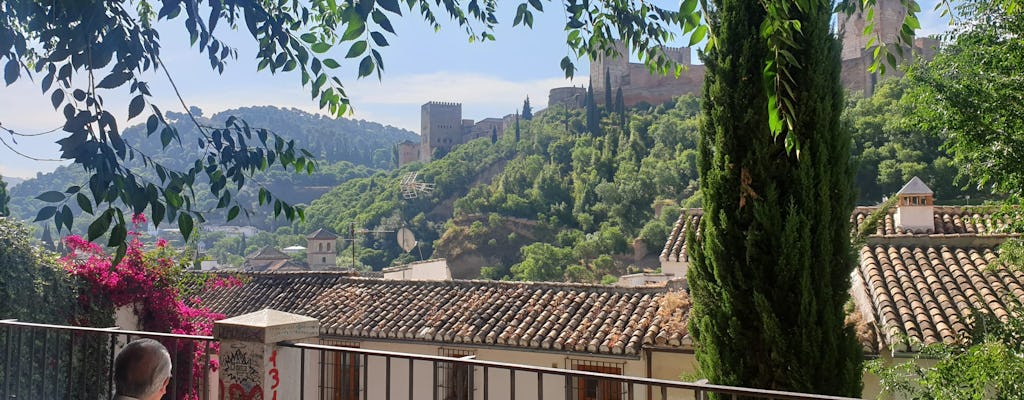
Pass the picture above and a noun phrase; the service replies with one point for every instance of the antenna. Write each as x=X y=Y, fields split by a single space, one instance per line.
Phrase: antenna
x=411 y=188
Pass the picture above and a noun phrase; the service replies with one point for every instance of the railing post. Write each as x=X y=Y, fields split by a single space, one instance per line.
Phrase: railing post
x=252 y=365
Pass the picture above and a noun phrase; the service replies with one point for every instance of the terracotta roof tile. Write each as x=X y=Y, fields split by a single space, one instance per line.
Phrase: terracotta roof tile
x=949 y=220
x=556 y=316
x=924 y=293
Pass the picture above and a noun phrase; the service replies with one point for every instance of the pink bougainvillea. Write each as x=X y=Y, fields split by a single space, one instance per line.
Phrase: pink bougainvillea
x=151 y=282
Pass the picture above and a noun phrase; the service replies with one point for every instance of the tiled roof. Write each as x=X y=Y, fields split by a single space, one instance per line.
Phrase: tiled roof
x=322 y=234
x=675 y=247
x=925 y=292
x=268 y=253
x=948 y=220
x=915 y=186
x=542 y=316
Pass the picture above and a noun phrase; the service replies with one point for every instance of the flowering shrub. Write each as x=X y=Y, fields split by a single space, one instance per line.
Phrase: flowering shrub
x=151 y=282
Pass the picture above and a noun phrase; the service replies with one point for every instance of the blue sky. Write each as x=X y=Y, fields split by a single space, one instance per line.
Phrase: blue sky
x=490 y=79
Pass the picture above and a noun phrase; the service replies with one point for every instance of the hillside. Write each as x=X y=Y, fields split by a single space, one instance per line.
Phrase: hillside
x=572 y=187
x=587 y=193
x=344 y=148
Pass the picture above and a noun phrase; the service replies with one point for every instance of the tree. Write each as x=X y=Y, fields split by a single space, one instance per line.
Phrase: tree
x=5 y=198
x=608 y=90
x=527 y=113
x=986 y=364
x=494 y=134
x=33 y=287
x=620 y=107
x=593 y=117
x=770 y=273
x=517 y=127
x=972 y=90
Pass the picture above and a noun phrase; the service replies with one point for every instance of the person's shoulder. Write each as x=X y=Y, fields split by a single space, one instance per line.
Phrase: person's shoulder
x=124 y=398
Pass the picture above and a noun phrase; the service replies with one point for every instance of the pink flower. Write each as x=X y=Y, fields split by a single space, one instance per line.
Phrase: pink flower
x=139 y=219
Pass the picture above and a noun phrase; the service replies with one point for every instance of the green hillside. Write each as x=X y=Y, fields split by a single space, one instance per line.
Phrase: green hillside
x=582 y=192
x=344 y=148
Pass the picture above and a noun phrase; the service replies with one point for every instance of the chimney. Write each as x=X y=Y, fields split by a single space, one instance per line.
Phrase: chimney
x=915 y=210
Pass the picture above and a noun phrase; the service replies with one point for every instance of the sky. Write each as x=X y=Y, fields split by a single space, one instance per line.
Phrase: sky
x=490 y=79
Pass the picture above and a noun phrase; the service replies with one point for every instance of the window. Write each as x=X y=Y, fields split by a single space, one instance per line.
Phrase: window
x=328 y=247
x=456 y=380
x=596 y=389
x=320 y=247
x=323 y=260
x=339 y=372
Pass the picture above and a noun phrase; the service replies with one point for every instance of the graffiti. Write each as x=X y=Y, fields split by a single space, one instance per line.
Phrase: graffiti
x=237 y=392
x=274 y=374
x=240 y=364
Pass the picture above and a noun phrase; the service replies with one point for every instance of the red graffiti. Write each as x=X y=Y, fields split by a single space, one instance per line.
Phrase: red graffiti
x=274 y=374
x=236 y=392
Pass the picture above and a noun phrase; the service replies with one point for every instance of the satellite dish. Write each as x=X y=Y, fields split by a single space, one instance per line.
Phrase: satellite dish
x=406 y=240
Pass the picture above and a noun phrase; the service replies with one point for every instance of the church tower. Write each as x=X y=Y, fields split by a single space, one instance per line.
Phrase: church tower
x=321 y=249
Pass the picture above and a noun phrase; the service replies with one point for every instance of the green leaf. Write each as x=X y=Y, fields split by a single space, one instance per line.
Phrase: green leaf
x=308 y=38
x=687 y=7
x=11 y=71
x=698 y=35
x=52 y=196
x=390 y=5
x=136 y=106
x=233 y=213
x=379 y=39
x=330 y=63
x=185 y=225
x=320 y=47
x=118 y=235
x=366 y=66
x=45 y=213
x=98 y=227
x=537 y=5
x=357 y=49
x=84 y=203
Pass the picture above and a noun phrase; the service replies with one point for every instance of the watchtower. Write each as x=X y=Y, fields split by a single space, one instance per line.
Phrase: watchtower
x=888 y=20
x=441 y=127
x=617 y=67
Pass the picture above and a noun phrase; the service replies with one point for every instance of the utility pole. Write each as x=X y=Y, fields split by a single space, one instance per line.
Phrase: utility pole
x=352 y=239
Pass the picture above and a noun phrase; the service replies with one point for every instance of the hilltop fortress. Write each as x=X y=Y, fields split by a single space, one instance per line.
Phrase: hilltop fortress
x=442 y=127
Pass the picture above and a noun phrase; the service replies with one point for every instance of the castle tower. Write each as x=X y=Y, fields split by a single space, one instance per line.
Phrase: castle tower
x=916 y=208
x=441 y=127
x=888 y=20
x=321 y=249
x=617 y=67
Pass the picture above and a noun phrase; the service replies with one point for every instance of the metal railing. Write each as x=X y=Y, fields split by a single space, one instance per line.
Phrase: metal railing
x=42 y=361
x=390 y=375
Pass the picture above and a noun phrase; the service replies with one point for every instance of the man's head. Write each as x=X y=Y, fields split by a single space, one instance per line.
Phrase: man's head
x=142 y=369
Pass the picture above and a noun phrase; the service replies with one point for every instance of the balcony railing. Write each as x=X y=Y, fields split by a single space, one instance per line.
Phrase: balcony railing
x=42 y=361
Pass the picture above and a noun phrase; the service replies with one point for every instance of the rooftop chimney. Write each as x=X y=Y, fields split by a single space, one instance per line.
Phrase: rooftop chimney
x=915 y=210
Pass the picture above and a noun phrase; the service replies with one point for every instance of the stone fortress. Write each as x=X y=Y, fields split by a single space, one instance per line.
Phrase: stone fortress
x=442 y=127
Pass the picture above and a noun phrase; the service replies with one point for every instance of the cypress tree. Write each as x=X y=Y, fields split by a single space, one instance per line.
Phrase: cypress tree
x=517 y=126
x=620 y=107
x=527 y=113
x=4 y=198
x=494 y=134
x=593 y=119
x=770 y=274
x=607 y=90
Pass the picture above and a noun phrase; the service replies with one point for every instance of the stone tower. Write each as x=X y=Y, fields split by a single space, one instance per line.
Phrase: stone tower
x=617 y=67
x=441 y=127
x=888 y=19
x=321 y=249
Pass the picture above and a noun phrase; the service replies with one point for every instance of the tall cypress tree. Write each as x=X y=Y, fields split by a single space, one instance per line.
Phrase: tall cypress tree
x=4 y=198
x=620 y=107
x=607 y=90
x=527 y=112
x=593 y=119
x=770 y=274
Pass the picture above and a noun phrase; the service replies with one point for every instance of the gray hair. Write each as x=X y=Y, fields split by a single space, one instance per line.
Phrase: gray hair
x=141 y=368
